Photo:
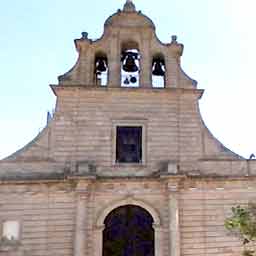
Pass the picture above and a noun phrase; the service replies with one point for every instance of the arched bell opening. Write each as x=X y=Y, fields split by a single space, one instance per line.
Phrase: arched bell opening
x=130 y=65
x=101 y=69
x=128 y=232
x=158 y=71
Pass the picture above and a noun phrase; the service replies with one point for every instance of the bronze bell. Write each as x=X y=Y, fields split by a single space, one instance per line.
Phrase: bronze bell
x=101 y=65
x=158 y=68
x=126 y=81
x=129 y=64
x=133 y=79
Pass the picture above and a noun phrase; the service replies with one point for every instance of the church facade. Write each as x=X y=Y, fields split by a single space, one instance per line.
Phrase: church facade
x=126 y=166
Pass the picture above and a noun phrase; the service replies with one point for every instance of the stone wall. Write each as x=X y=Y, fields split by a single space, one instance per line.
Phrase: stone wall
x=49 y=213
x=46 y=214
x=85 y=120
x=204 y=207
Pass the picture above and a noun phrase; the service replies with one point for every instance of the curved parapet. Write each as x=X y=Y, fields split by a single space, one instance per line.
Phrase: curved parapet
x=128 y=19
x=213 y=148
x=166 y=122
x=124 y=29
x=186 y=81
x=36 y=150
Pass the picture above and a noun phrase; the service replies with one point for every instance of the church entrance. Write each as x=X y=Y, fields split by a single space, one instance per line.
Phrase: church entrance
x=128 y=232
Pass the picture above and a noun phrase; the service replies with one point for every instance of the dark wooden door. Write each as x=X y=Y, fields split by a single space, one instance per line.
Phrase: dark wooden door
x=128 y=232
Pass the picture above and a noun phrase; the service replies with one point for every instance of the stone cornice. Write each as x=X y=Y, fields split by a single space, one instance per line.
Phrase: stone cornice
x=57 y=88
x=90 y=178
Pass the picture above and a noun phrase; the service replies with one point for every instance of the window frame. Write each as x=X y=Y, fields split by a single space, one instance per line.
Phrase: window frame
x=6 y=244
x=129 y=123
x=5 y=223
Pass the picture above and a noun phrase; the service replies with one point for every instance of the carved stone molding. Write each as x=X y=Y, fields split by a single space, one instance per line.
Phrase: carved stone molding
x=129 y=199
x=83 y=187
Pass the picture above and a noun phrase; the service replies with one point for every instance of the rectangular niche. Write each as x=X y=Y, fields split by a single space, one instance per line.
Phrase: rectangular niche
x=129 y=143
x=11 y=230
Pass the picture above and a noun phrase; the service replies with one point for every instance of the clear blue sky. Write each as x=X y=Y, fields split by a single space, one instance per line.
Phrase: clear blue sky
x=36 y=45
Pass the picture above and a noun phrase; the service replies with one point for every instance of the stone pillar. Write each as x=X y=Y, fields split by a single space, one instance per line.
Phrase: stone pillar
x=172 y=72
x=145 y=64
x=86 y=67
x=174 y=229
x=81 y=220
x=98 y=241
x=90 y=68
x=173 y=63
x=158 y=240
x=114 y=60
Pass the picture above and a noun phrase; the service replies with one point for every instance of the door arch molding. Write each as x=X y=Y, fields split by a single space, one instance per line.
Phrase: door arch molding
x=103 y=213
x=128 y=231
x=107 y=209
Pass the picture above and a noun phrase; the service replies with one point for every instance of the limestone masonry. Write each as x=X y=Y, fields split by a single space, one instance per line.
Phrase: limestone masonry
x=126 y=131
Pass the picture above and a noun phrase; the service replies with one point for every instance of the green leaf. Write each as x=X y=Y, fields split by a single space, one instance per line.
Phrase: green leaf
x=242 y=223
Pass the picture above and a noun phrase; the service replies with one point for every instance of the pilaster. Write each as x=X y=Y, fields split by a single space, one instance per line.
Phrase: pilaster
x=174 y=225
x=146 y=65
x=114 y=63
x=158 y=240
x=172 y=72
x=82 y=192
x=98 y=240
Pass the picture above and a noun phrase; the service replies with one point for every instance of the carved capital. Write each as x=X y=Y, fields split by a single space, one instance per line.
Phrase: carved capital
x=172 y=167
x=157 y=227
x=99 y=229
x=173 y=185
x=83 y=188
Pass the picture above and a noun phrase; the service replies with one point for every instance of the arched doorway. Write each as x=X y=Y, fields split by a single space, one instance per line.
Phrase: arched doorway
x=128 y=232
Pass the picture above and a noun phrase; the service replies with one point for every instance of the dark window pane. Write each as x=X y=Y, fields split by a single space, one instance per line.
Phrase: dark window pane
x=128 y=144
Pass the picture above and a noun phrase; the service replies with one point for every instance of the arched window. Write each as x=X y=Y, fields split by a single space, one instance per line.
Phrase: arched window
x=128 y=231
x=158 y=71
x=130 y=65
x=101 y=69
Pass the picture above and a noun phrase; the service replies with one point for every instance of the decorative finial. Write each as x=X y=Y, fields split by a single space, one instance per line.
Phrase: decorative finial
x=84 y=35
x=252 y=156
x=129 y=6
x=174 y=39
